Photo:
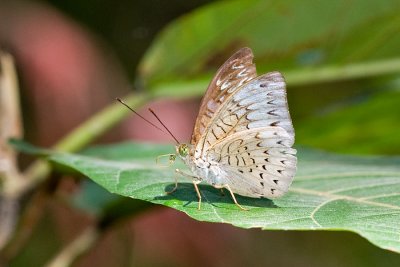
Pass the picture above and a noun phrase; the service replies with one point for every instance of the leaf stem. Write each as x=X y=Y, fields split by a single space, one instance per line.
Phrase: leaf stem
x=98 y=124
x=179 y=89
x=342 y=72
x=82 y=136
x=10 y=126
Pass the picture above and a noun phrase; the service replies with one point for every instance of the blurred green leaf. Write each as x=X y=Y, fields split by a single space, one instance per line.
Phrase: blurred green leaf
x=287 y=35
x=330 y=192
x=368 y=125
x=92 y=198
x=23 y=146
x=109 y=208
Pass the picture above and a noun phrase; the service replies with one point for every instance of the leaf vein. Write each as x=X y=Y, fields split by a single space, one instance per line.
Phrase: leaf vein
x=360 y=186
x=381 y=196
x=312 y=215
x=214 y=209
x=348 y=198
x=349 y=175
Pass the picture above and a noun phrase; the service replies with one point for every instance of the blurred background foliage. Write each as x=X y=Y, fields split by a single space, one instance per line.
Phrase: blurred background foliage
x=341 y=62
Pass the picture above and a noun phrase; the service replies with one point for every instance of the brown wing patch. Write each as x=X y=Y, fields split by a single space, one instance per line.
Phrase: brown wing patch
x=237 y=70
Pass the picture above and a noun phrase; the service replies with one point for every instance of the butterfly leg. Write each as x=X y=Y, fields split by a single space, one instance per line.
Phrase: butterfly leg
x=232 y=194
x=195 y=180
x=177 y=171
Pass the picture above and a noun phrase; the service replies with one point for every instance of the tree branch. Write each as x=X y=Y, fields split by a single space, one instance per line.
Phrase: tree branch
x=77 y=247
x=10 y=126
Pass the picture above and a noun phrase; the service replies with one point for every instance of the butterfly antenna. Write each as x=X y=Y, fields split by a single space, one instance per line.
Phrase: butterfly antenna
x=126 y=105
x=155 y=115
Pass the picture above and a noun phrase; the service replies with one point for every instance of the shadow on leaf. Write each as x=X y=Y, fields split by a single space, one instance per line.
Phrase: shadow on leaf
x=210 y=195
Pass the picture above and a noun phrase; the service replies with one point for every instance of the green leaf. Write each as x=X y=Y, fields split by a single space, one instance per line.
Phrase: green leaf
x=368 y=125
x=92 y=198
x=285 y=35
x=27 y=148
x=330 y=192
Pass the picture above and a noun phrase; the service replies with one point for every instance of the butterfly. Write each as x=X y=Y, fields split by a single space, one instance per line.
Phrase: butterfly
x=243 y=135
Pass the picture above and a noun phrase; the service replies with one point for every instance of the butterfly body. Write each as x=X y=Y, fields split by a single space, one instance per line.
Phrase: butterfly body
x=204 y=168
x=243 y=135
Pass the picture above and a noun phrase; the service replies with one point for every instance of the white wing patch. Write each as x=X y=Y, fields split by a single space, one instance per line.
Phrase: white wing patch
x=259 y=162
x=259 y=103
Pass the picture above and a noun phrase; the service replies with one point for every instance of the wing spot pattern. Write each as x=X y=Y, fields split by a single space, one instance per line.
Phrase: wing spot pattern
x=227 y=124
x=221 y=128
x=212 y=131
x=245 y=113
x=272 y=112
x=244 y=163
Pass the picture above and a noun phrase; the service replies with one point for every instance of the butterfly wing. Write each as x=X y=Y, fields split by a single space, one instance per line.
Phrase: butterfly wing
x=259 y=162
x=251 y=135
x=237 y=70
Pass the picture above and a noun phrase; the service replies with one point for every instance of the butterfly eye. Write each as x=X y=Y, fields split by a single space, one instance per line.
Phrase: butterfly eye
x=183 y=150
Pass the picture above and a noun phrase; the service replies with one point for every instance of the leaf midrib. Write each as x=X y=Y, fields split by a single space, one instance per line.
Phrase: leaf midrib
x=331 y=197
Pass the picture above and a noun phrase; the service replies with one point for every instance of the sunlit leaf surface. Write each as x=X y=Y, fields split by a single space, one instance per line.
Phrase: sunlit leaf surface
x=332 y=192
